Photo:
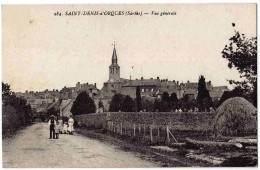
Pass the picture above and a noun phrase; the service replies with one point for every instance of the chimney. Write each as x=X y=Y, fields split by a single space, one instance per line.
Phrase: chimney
x=177 y=82
x=173 y=81
x=142 y=78
x=87 y=84
x=188 y=81
x=95 y=84
x=158 y=78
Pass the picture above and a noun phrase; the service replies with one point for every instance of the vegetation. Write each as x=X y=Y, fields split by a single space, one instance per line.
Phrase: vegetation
x=128 y=104
x=83 y=105
x=16 y=112
x=138 y=99
x=122 y=103
x=116 y=103
x=241 y=53
x=203 y=98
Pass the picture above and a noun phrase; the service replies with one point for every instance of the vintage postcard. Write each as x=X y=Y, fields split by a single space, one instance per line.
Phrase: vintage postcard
x=129 y=85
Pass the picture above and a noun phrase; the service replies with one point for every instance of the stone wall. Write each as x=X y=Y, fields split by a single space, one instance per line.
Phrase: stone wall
x=177 y=121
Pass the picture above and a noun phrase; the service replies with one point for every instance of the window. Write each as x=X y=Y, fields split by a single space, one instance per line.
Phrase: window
x=152 y=90
x=142 y=90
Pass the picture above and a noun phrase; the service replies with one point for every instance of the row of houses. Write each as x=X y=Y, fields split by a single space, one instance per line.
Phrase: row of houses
x=152 y=88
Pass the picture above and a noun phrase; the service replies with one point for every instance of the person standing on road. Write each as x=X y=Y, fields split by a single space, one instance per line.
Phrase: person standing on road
x=51 y=125
x=71 y=122
x=57 y=130
x=60 y=124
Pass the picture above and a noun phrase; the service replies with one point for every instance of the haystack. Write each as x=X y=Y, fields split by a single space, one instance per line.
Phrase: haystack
x=235 y=116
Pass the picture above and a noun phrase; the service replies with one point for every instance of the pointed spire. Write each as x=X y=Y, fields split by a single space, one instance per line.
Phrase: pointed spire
x=114 y=56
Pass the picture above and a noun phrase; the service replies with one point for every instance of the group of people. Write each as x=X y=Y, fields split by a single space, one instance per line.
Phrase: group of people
x=56 y=127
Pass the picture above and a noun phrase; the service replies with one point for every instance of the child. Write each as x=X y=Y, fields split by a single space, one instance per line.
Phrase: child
x=65 y=127
x=57 y=129
x=61 y=125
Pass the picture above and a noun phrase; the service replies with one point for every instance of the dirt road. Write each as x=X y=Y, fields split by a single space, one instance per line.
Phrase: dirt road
x=32 y=148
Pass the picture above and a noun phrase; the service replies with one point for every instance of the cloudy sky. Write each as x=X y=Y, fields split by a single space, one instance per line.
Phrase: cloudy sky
x=43 y=51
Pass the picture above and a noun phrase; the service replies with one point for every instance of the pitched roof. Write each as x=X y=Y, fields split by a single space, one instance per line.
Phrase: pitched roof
x=217 y=88
x=216 y=94
x=142 y=82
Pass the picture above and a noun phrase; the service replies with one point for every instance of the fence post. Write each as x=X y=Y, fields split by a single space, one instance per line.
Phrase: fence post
x=158 y=128
x=134 y=129
x=151 y=133
x=144 y=130
x=168 y=136
x=112 y=127
x=121 y=129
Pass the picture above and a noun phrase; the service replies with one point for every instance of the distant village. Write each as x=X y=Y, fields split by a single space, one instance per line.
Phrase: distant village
x=151 y=88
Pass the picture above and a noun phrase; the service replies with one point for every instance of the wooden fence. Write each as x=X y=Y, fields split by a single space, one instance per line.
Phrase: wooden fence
x=152 y=127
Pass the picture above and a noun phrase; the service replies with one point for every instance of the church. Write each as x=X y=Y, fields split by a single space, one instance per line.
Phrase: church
x=149 y=88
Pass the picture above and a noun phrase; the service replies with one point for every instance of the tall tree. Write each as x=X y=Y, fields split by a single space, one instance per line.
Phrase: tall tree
x=203 y=98
x=241 y=53
x=116 y=103
x=83 y=105
x=138 y=99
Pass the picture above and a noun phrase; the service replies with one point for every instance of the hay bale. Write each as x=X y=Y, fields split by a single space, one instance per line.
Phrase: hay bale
x=235 y=116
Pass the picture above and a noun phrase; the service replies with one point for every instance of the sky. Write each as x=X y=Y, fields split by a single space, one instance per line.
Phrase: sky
x=42 y=51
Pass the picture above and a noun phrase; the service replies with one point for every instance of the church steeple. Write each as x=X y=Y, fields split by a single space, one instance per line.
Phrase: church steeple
x=114 y=56
x=114 y=69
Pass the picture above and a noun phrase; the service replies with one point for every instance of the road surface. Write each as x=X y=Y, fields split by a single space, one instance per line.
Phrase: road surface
x=32 y=148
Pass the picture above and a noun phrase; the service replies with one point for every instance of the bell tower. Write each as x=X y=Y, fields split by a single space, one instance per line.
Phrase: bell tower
x=114 y=69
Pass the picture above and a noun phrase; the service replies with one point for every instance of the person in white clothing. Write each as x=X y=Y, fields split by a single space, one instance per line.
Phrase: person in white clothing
x=71 y=123
x=65 y=127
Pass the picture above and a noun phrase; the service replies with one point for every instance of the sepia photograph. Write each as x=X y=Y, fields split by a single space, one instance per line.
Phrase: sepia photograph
x=129 y=85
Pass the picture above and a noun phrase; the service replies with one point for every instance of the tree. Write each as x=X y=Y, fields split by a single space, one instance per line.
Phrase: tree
x=147 y=105
x=83 y=105
x=16 y=112
x=5 y=90
x=128 y=104
x=157 y=105
x=164 y=105
x=116 y=103
x=138 y=99
x=236 y=92
x=241 y=53
x=203 y=98
x=173 y=101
